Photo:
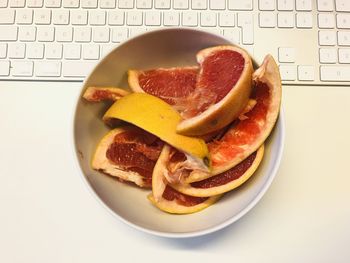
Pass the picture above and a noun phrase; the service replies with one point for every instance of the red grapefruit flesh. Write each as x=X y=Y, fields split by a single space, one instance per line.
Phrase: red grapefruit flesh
x=97 y=94
x=246 y=135
x=226 y=181
x=168 y=84
x=129 y=154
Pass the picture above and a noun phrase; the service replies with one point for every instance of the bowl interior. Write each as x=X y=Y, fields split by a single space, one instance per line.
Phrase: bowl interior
x=164 y=48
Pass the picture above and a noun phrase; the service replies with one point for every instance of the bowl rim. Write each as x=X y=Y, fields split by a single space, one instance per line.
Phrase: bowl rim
x=280 y=121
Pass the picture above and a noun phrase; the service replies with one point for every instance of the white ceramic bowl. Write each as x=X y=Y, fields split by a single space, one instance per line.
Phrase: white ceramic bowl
x=163 y=48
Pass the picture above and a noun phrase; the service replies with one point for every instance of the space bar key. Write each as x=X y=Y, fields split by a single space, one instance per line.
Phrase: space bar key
x=77 y=68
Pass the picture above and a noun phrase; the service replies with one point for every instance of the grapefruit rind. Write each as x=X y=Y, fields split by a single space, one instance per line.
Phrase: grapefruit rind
x=114 y=93
x=204 y=192
x=159 y=118
x=228 y=109
x=100 y=162
x=267 y=73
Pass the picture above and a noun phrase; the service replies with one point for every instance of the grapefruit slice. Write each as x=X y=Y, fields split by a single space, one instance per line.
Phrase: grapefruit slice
x=167 y=198
x=157 y=117
x=208 y=99
x=247 y=134
x=129 y=154
x=168 y=84
x=97 y=94
x=226 y=181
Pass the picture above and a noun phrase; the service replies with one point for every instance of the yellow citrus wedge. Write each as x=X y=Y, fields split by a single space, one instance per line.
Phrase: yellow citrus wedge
x=159 y=118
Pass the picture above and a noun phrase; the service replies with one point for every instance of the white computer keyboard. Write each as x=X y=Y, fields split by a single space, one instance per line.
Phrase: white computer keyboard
x=62 y=39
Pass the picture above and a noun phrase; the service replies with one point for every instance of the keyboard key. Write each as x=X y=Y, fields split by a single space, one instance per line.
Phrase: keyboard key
x=106 y=48
x=3 y=3
x=76 y=68
x=116 y=18
x=153 y=18
x=335 y=73
x=3 y=50
x=286 y=54
x=35 y=3
x=343 y=21
x=91 y=51
x=7 y=16
x=325 y=5
x=287 y=72
x=72 y=51
x=342 y=5
x=100 y=34
x=53 y=3
x=127 y=4
x=303 y=5
x=180 y=4
x=60 y=17
x=89 y=3
x=217 y=4
x=344 y=55
x=304 y=20
x=27 y=33
x=240 y=5
x=328 y=55
x=4 y=68
x=53 y=51
x=8 y=33
x=107 y=4
x=42 y=16
x=79 y=17
x=16 y=50
x=285 y=5
x=189 y=18
x=245 y=21
x=16 y=3
x=326 y=20
x=285 y=20
x=306 y=73
x=47 y=68
x=134 y=18
x=35 y=50
x=24 y=16
x=327 y=38
x=97 y=17
x=64 y=34
x=208 y=19
x=82 y=34
x=343 y=38
x=144 y=4
x=267 y=5
x=22 y=68
x=171 y=18
x=227 y=19
x=199 y=4
x=267 y=19
x=46 y=34
x=70 y=3
x=119 y=34
x=162 y=4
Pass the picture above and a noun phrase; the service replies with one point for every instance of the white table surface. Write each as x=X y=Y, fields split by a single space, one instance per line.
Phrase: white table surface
x=47 y=214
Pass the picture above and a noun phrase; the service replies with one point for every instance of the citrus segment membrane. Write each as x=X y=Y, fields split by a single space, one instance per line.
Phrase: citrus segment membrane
x=167 y=198
x=246 y=135
x=226 y=181
x=97 y=94
x=159 y=118
x=129 y=154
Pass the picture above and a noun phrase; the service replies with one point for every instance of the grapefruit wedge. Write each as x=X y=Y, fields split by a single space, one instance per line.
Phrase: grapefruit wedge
x=129 y=154
x=209 y=98
x=170 y=200
x=97 y=94
x=247 y=134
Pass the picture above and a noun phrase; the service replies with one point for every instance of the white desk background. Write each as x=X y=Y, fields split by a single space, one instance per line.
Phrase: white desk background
x=47 y=214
